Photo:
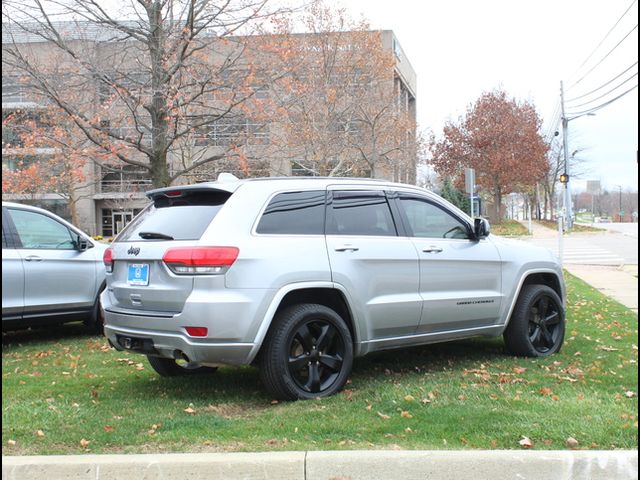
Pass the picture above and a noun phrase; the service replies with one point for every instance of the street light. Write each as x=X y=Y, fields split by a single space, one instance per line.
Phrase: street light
x=565 y=146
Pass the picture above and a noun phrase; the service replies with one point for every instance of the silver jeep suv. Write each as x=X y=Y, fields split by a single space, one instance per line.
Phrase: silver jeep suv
x=300 y=275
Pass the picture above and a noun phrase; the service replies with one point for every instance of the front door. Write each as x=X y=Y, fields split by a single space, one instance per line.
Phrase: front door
x=460 y=278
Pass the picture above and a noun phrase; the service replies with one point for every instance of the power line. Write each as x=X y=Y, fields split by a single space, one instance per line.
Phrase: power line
x=603 y=85
x=604 y=58
x=606 y=36
x=607 y=93
x=575 y=114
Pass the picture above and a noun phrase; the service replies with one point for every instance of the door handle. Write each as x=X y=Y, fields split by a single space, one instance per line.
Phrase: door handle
x=432 y=249
x=347 y=248
x=33 y=258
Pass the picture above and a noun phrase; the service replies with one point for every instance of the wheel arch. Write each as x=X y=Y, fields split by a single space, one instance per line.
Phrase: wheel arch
x=322 y=293
x=536 y=277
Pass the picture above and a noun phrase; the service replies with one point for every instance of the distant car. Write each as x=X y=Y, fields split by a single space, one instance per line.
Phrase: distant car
x=52 y=272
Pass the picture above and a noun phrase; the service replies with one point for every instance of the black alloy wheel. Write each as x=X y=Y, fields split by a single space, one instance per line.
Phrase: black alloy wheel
x=544 y=324
x=307 y=353
x=537 y=324
x=316 y=355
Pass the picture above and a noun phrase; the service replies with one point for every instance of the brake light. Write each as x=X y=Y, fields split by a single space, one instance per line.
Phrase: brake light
x=107 y=258
x=200 y=260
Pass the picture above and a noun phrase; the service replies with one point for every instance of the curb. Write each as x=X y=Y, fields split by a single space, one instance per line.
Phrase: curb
x=333 y=465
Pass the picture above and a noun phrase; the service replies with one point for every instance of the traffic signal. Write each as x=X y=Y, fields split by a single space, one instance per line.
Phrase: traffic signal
x=564 y=178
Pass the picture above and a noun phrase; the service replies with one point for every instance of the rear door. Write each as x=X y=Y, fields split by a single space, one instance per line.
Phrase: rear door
x=377 y=267
x=460 y=278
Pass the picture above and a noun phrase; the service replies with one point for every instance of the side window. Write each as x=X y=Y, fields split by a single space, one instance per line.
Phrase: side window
x=39 y=231
x=294 y=213
x=427 y=220
x=4 y=239
x=360 y=213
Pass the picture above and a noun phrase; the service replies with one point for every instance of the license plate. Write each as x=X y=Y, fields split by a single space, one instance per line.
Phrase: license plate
x=138 y=274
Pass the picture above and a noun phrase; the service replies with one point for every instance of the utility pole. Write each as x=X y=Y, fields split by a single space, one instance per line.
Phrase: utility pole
x=565 y=147
x=620 y=203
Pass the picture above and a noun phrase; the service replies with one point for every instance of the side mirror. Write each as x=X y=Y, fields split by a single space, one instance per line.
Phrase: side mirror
x=481 y=228
x=81 y=244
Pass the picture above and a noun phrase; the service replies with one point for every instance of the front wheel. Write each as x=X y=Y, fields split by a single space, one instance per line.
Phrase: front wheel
x=168 y=367
x=307 y=354
x=537 y=325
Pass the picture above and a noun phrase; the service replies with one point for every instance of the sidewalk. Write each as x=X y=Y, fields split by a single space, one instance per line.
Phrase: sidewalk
x=619 y=283
x=334 y=465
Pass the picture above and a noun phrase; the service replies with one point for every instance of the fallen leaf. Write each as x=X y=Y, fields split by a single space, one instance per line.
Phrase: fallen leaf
x=409 y=398
x=11 y=442
x=526 y=442
x=405 y=414
x=546 y=391
x=519 y=370
x=84 y=443
x=383 y=416
x=571 y=442
x=108 y=428
x=40 y=433
x=189 y=410
x=629 y=394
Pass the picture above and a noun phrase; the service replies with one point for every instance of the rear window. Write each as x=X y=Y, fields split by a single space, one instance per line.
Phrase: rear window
x=294 y=213
x=182 y=218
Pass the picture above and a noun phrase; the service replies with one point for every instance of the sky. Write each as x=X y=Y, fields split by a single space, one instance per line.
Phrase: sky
x=460 y=48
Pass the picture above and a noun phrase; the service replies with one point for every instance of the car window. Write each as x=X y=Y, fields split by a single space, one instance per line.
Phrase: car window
x=180 y=218
x=428 y=220
x=360 y=213
x=36 y=230
x=294 y=213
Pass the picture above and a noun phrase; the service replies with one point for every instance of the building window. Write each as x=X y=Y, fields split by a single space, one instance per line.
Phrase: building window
x=124 y=178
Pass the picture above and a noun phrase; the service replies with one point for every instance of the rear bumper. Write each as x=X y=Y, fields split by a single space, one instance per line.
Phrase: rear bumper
x=232 y=318
x=175 y=345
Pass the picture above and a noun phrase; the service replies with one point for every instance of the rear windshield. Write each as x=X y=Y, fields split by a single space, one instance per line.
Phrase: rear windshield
x=183 y=218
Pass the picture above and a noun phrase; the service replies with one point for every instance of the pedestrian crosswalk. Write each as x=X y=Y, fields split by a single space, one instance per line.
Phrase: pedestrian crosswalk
x=579 y=252
x=591 y=255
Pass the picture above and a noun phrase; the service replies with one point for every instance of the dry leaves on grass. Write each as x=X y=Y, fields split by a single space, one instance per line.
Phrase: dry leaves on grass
x=526 y=442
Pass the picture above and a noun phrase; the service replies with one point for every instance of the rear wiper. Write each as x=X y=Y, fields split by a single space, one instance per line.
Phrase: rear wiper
x=154 y=236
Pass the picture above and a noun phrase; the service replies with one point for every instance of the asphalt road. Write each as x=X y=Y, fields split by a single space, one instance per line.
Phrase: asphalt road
x=610 y=248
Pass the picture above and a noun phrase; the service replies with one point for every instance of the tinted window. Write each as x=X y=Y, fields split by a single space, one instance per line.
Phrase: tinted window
x=181 y=218
x=36 y=230
x=294 y=213
x=360 y=213
x=428 y=220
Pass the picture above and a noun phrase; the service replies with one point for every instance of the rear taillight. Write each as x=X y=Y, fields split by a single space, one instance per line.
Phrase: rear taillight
x=107 y=258
x=200 y=260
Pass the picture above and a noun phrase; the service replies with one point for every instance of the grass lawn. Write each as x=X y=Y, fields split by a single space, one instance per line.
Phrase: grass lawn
x=509 y=228
x=66 y=393
x=577 y=228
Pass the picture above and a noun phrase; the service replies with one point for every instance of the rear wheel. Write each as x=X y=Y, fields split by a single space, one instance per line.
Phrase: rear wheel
x=537 y=325
x=307 y=354
x=168 y=367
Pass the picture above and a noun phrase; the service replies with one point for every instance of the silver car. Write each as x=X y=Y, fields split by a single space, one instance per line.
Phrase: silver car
x=299 y=276
x=51 y=271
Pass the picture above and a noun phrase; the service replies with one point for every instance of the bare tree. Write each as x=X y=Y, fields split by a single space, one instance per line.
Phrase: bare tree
x=143 y=89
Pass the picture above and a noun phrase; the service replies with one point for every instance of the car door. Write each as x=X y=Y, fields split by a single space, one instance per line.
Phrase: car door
x=12 y=273
x=378 y=268
x=57 y=277
x=460 y=277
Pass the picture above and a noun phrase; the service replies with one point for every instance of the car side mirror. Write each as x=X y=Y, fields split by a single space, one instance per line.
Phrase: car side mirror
x=481 y=228
x=81 y=244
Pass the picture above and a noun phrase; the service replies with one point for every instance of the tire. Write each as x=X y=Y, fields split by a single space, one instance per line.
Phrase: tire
x=168 y=367
x=308 y=353
x=537 y=324
x=95 y=323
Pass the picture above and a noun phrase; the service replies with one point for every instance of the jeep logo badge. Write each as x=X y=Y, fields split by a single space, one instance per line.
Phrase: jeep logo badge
x=133 y=251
